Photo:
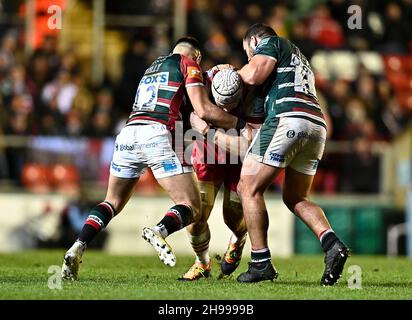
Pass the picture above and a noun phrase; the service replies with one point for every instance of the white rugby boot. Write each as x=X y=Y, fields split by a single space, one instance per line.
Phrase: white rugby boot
x=162 y=248
x=71 y=261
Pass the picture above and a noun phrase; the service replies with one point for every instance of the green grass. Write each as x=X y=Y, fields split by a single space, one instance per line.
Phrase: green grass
x=25 y=275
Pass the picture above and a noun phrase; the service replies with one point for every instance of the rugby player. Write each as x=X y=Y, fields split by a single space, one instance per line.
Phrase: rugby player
x=215 y=167
x=292 y=138
x=147 y=140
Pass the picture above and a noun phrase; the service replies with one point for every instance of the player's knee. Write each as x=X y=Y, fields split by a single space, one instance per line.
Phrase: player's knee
x=241 y=188
x=248 y=190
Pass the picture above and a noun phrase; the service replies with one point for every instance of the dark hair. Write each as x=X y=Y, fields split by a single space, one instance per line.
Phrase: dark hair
x=259 y=30
x=190 y=40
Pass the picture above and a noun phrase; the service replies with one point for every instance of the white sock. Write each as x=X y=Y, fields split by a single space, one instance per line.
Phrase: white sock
x=162 y=230
x=200 y=245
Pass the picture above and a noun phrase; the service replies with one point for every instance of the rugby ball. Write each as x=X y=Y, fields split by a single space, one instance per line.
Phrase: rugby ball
x=227 y=88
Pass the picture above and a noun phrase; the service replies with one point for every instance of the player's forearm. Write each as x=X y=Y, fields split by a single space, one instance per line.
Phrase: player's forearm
x=217 y=117
x=235 y=145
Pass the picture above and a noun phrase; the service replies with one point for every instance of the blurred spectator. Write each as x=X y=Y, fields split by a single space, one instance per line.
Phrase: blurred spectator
x=253 y=12
x=18 y=125
x=60 y=93
x=48 y=50
x=324 y=30
x=102 y=117
x=393 y=117
x=134 y=65
x=74 y=124
x=336 y=98
x=16 y=84
x=277 y=19
x=355 y=116
x=69 y=63
x=397 y=32
x=39 y=74
x=7 y=53
x=360 y=172
x=300 y=37
x=217 y=45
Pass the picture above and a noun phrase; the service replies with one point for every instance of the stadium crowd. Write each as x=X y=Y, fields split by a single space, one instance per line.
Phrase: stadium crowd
x=46 y=94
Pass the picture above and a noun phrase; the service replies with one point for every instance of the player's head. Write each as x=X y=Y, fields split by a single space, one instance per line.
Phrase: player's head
x=190 y=47
x=253 y=35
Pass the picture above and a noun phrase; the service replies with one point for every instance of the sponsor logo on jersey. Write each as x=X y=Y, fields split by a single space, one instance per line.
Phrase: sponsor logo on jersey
x=194 y=73
x=263 y=42
x=126 y=147
x=160 y=78
x=309 y=136
x=290 y=134
x=273 y=156
x=146 y=145
x=169 y=165
x=115 y=167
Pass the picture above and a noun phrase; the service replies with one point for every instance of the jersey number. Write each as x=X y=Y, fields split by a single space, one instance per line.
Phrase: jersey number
x=304 y=77
x=146 y=95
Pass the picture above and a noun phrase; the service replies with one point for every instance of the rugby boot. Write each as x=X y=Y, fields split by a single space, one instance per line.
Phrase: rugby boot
x=258 y=271
x=335 y=259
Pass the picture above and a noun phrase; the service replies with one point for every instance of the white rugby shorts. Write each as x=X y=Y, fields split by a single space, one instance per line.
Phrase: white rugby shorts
x=289 y=142
x=148 y=145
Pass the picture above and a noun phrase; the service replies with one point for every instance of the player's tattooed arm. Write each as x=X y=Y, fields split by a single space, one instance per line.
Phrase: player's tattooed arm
x=257 y=70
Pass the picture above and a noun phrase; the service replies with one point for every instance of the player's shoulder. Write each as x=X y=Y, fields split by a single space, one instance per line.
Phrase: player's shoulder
x=187 y=61
x=273 y=43
x=268 y=41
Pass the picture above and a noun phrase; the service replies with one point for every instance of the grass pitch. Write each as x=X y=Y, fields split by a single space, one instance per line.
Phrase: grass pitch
x=25 y=275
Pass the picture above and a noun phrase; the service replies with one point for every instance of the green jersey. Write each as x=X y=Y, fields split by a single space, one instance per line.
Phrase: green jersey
x=290 y=89
x=162 y=90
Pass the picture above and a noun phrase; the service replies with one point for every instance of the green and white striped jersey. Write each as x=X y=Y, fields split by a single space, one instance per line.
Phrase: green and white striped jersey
x=290 y=89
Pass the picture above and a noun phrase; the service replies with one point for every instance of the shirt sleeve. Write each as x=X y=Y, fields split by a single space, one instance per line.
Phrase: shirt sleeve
x=191 y=72
x=268 y=47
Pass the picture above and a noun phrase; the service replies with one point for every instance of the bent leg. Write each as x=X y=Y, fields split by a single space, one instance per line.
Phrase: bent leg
x=184 y=192
x=295 y=195
x=208 y=192
x=118 y=193
x=233 y=213
x=198 y=231
x=233 y=217
x=251 y=189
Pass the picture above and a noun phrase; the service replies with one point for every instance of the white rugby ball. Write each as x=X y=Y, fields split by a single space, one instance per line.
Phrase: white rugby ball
x=227 y=88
